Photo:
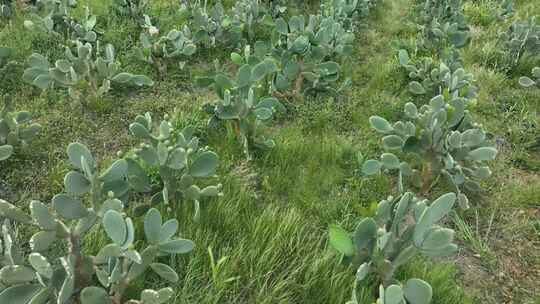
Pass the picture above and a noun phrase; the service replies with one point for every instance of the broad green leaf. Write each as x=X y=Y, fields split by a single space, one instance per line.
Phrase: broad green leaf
x=403 y=57
x=437 y=238
x=19 y=294
x=76 y=152
x=140 y=131
x=417 y=291
x=362 y=271
x=110 y=250
x=68 y=207
x=168 y=230
x=393 y=295
x=40 y=264
x=281 y=26
x=42 y=240
x=95 y=295
x=165 y=271
x=392 y=142
x=438 y=209
x=341 y=241
x=16 y=274
x=243 y=77
x=152 y=225
x=205 y=165
x=10 y=211
x=178 y=246
x=237 y=58
x=76 y=183
x=115 y=227
x=365 y=234
x=483 y=154
x=380 y=124
x=371 y=166
x=259 y=71
x=177 y=159
x=411 y=110
x=5 y=152
x=210 y=191
x=117 y=171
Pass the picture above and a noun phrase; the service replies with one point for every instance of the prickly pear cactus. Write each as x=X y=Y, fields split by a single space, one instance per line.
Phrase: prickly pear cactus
x=210 y=27
x=55 y=20
x=16 y=129
x=180 y=162
x=403 y=227
x=85 y=177
x=522 y=39
x=86 y=73
x=415 y=291
x=439 y=36
x=530 y=82
x=242 y=102
x=440 y=139
x=84 y=30
x=6 y=9
x=302 y=51
x=250 y=15
x=135 y=9
x=432 y=80
x=348 y=12
x=69 y=273
x=52 y=17
x=443 y=27
x=160 y=51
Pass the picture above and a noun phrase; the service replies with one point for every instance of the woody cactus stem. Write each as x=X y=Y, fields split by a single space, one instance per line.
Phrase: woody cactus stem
x=75 y=251
x=299 y=81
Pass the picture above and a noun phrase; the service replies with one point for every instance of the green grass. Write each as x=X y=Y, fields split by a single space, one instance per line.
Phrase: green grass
x=271 y=224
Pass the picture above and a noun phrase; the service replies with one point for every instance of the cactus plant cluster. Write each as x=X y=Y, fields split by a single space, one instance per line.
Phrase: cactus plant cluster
x=86 y=72
x=442 y=31
x=72 y=273
x=442 y=137
x=160 y=50
x=249 y=14
x=299 y=59
x=305 y=53
x=243 y=102
x=170 y=163
x=439 y=139
x=16 y=129
x=207 y=27
x=432 y=80
x=51 y=17
x=442 y=25
x=178 y=159
x=437 y=35
x=522 y=39
x=84 y=30
x=210 y=26
x=402 y=228
x=348 y=11
x=528 y=82
x=135 y=9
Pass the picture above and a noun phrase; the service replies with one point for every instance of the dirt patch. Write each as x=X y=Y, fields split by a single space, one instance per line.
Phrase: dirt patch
x=511 y=276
